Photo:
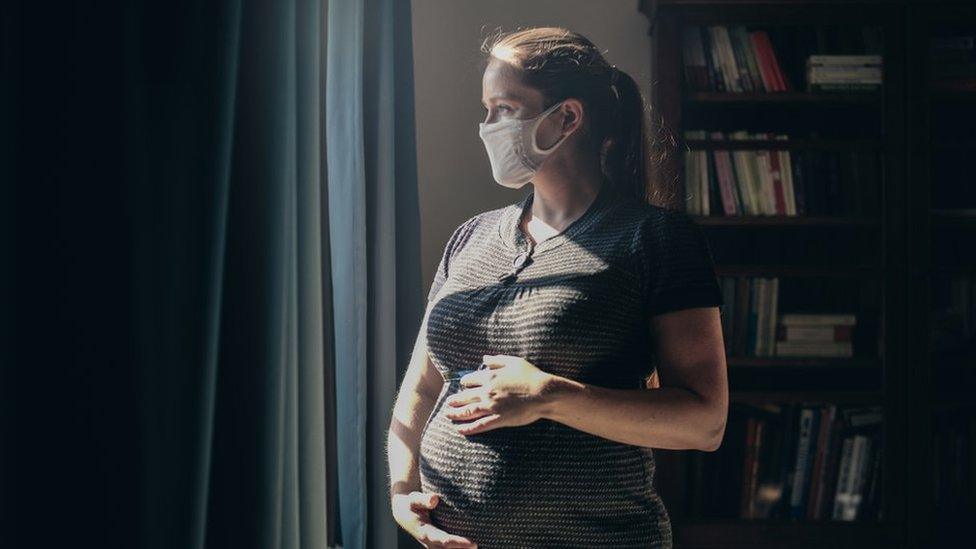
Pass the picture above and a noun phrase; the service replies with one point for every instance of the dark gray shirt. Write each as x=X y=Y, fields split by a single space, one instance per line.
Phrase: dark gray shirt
x=579 y=308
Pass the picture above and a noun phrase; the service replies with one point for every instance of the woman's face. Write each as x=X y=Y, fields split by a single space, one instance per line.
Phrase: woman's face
x=503 y=97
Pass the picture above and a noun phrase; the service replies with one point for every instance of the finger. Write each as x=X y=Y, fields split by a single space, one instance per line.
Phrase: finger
x=471 y=411
x=431 y=534
x=461 y=398
x=481 y=424
x=498 y=361
x=475 y=379
x=424 y=500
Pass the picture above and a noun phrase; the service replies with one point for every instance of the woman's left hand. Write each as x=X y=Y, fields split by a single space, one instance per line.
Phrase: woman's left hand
x=510 y=392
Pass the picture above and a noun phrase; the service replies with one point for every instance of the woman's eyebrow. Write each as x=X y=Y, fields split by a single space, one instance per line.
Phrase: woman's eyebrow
x=510 y=96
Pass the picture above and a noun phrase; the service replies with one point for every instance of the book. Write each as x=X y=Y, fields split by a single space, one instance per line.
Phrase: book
x=808 y=424
x=838 y=349
x=812 y=319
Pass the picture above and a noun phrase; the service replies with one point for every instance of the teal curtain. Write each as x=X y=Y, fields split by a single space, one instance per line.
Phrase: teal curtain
x=217 y=288
x=374 y=239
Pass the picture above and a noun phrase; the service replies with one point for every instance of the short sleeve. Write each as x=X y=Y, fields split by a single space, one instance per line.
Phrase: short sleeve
x=457 y=240
x=676 y=265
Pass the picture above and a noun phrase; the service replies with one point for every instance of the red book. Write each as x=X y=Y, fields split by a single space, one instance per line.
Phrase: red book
x=767 y=48
x=765 y=71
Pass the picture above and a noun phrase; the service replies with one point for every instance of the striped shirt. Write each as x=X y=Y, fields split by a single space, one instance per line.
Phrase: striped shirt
x=577 y=307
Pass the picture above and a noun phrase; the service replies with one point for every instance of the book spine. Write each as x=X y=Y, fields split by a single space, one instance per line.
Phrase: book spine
x=716 y=82
x=825 y=59
x=761 y=307
x=773 y=315
x=779 y=193
x=742 y=66
x=726 y=187
x=720 y=59
x=703 y=182
x=747 y=459
x=750 y=56
x=802 y=457
x=814 y=319
x=841 y=494
x=753 y=315
x=740 y=336
x=833 y=462
x=765 y=71
x=726 y=49
x=767 y=45
x=817 y=477
x=798 y=188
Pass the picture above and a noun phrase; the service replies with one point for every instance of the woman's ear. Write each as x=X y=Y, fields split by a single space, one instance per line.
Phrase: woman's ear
x=572 y=114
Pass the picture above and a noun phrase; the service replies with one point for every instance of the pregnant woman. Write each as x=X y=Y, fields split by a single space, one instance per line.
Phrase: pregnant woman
x=566 y=334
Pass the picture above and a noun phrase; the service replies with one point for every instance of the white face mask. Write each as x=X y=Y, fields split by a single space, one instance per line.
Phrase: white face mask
x=512 y=149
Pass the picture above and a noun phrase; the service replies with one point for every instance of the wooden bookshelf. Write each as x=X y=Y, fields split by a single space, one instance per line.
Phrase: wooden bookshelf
x=866 y=123
x=942 y=221
x=792 y=97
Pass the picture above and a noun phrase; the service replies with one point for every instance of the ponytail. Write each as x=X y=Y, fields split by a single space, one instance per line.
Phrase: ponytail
x=635 y=153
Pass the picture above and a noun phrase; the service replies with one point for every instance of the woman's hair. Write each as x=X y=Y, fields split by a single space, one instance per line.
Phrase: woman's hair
x=633 y=151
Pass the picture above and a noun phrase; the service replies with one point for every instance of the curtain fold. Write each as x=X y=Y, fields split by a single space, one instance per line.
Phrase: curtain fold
x=227 y=156
x=375 y=242
x=216 y=281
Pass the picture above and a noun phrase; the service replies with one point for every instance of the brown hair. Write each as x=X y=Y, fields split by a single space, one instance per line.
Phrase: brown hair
x=560 y=63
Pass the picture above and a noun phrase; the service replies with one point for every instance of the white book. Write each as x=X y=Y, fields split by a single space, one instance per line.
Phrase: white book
x=807 y=348
x=843 y=489
x=765 y=182
x=741 y=162
x=786 y=169
x=810 y=333
x=719 y=59
x=850 y=499
x=728 y=55
x=833 y=59
x=808 y=319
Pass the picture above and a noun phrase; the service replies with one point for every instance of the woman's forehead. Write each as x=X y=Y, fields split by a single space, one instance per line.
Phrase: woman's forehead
x=500 y=82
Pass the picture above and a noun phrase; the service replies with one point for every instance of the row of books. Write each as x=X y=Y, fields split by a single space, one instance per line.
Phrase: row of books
x=953 y=314
x=739 y=58
x=953 y=61
x=777 y=182
x=954 y=463
x=753 y=325
x=803 y=461
x=731 y=58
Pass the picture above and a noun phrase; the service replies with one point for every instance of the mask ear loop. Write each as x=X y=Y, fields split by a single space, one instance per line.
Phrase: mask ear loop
x=543 y=116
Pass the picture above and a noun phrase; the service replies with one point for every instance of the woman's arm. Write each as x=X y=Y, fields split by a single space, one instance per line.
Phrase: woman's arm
x=415 y=401
x=688 y=411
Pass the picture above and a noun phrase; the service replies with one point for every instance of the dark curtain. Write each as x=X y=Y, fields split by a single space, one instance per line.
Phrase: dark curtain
x=209 y=204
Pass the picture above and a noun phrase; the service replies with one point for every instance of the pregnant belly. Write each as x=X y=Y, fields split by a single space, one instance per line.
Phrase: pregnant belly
x=534 y=483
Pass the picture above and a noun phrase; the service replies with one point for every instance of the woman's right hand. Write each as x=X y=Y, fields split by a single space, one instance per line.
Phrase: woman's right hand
x=412 y=513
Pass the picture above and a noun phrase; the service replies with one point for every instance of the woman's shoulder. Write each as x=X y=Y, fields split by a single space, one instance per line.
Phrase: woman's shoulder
x=643 y=219
x=651 y=228
x=477 y=226
x=480 y=221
